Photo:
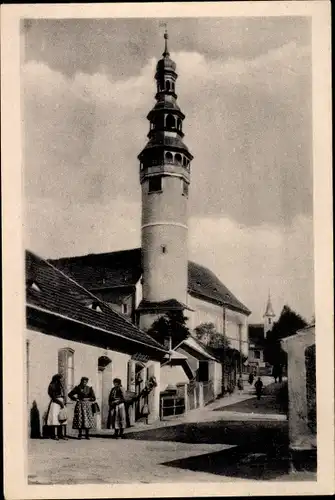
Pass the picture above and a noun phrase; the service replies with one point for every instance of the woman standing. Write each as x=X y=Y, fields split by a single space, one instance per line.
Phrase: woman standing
x=54 y=417
x=83 y=418
x=117 y=409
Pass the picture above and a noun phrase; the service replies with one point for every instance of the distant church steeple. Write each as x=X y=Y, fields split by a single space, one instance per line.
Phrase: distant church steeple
x=268 y=316
x=165 y=178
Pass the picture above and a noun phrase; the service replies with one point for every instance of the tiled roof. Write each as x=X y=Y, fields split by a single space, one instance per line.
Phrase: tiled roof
x=164 y=305
x=202 y=281
x=104 y=270
x=122 y=268
x=50 y=289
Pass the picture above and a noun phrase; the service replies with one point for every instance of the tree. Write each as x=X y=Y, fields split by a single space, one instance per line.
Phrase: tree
x=288 y=324
x=208 y=335
x=171 y=325
x=217 y=342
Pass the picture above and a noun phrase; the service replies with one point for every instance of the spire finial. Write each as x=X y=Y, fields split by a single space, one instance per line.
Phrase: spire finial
x=166 y=37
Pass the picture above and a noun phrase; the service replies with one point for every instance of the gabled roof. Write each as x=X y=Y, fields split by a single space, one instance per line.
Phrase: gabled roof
x=103 y=270
x=205 y=283
x=192 y=343
x=59 y=294
x=123 y=268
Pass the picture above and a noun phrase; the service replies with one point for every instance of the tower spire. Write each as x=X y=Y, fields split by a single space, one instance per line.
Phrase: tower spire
x=268 y=315
x=269 y=309
x=166 y=37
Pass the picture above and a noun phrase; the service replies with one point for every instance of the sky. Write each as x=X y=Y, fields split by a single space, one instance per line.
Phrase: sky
x=245 y=87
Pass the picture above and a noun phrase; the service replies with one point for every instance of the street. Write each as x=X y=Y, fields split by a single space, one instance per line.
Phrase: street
x=210 y=449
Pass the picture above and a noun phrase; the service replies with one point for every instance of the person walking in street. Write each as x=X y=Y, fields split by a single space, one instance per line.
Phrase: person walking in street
x=259 y=388
x=251 y=378
x=117 y=410
x=83 y=418
x=56 y=414
x=240 y=384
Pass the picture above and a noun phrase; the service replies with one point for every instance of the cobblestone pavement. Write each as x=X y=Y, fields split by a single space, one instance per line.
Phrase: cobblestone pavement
x=213 y=444
x=187 y=452
x=103 y=460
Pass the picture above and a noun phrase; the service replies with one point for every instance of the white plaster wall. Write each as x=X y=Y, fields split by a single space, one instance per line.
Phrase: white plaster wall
x=43 y=364
x=172 y=375
x=234 y=323
x=138 y=292
x=204 y=312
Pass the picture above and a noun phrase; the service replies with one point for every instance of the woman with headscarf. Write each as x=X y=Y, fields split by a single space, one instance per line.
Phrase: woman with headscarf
x=56 y=415
x=83 y=418
x=117 y=409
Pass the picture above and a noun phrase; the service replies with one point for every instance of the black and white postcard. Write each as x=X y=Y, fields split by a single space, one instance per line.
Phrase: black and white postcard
x=168 y=305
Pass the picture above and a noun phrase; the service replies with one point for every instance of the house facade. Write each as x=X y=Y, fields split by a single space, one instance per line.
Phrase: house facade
x=71 y=332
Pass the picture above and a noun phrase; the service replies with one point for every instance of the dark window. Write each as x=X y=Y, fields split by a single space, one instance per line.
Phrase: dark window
x=257 y=354
x=170 y=121
x=125 y=308
x=185 y=188
x=155 y=184
x=178 y=158
x=270 y=321
x=163 y=248
x=203 y=372
x=167 y=85
x=169 y=156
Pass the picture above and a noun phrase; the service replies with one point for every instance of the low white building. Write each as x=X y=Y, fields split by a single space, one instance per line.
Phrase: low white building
x=72 y=332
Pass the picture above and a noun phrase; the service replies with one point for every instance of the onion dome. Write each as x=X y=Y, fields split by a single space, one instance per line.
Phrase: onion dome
x=166 y=63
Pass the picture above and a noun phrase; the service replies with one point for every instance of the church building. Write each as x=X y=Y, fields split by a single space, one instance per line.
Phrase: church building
x=257 y=337
x=147 y=282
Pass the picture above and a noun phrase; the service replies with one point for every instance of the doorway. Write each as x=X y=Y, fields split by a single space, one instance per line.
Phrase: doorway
x=140 y=379
x=104 y=385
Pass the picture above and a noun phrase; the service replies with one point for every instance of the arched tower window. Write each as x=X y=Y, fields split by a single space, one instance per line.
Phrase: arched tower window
x=168 y=156
x=170 y=122
x=178 y=158
x=172 y=84
x=179 y=124
x=184 y=161
x=168 y=84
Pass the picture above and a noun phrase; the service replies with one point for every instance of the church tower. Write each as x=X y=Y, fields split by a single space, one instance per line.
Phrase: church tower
x=165 y=178
x=268 y=316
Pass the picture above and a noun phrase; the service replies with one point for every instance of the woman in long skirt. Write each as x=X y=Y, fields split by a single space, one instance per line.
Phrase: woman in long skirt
x=117 y=409
x=57 y=403
x=83 y=418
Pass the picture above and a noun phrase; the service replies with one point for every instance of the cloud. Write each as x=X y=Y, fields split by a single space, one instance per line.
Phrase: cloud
x=248 y=260
x=248 y=125
x=252 y=260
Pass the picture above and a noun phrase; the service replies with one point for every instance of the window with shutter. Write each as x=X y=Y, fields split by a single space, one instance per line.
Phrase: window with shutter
x=66 y=368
